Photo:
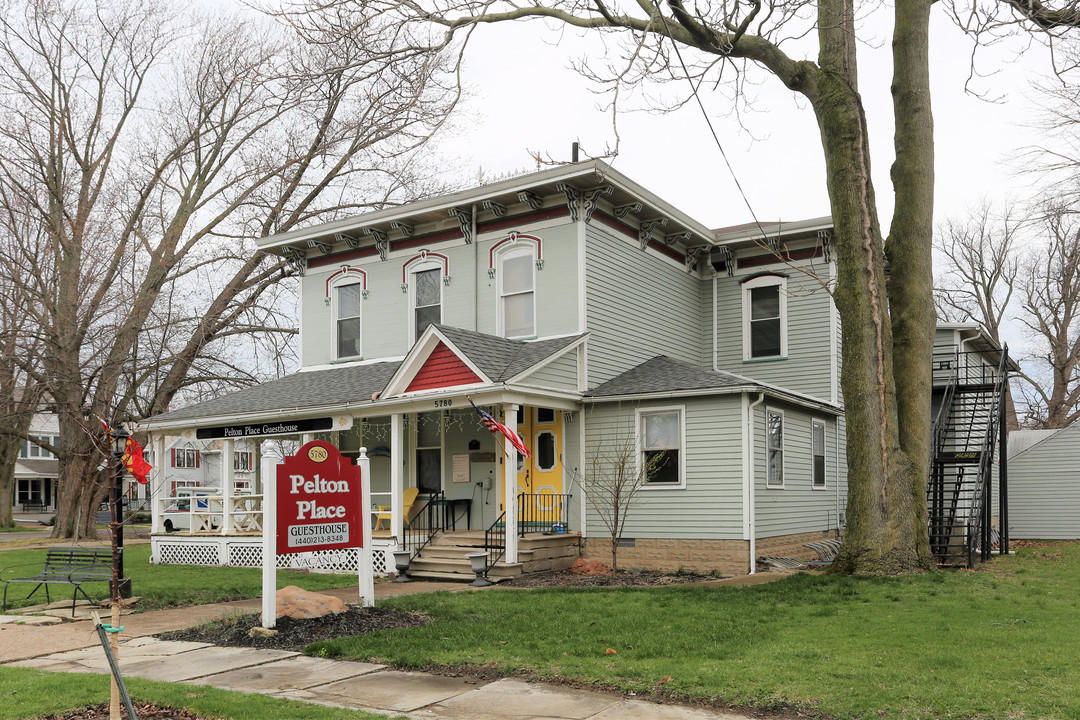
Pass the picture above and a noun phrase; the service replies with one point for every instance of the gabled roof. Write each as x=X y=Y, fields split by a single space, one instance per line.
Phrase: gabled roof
x=662 y=376
x=493 y=359
x=335 y=387
x=503 y=359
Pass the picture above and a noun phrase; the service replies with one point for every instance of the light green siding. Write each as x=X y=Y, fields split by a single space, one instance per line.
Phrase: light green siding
x=797 y=507
x=470 y=301
x=807 y=367
x=560 y=373
x=1044 y=488
x=710 y=504
x=638 y=306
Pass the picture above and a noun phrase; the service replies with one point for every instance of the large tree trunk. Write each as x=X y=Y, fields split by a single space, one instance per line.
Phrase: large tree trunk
x=9 y=453
x=909 y=251
x=879 y=536
x=82 y=486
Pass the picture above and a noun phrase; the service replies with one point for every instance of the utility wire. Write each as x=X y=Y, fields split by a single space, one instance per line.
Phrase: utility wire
x=716 y=138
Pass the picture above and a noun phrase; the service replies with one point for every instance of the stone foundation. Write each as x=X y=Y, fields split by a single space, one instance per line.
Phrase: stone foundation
x=727 y=557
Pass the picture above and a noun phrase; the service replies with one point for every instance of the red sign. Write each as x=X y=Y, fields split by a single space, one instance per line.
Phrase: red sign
x=318 y=501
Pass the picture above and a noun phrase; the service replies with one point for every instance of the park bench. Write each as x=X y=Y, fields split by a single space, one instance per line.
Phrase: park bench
x=64 y=566
x=34 y=507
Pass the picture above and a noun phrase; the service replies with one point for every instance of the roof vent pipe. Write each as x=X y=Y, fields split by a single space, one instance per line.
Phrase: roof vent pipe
x=574 y=151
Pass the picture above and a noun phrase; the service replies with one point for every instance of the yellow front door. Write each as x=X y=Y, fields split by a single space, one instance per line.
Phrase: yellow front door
x=540 y=477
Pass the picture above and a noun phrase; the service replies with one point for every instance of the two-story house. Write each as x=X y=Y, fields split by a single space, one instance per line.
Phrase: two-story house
x=579 y=308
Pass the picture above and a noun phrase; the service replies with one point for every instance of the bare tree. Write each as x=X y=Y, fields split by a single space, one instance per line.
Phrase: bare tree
x=1050 y=312
x=615 y=470
x=980 y=274
x=149 y=148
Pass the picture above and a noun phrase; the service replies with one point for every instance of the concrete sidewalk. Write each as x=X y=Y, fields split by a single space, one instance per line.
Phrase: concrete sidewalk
x=73 y=647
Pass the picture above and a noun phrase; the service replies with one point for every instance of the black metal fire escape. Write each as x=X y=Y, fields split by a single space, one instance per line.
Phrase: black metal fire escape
x=967 y=433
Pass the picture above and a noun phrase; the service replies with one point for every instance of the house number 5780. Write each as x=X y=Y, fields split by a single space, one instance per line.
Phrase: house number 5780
x=443 y=403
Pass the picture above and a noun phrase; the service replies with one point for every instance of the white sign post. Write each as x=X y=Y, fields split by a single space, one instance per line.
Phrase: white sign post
x=269 y=467
x=365 y=564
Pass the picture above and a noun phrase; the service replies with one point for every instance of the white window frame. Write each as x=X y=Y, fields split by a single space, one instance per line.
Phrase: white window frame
x=639 y=444
x=815 y=423
x=249 y=460
x=184 y=464
x=335 y=320
x=416 y=268
x=769 y=482
x=514 y=250
x=747 y=287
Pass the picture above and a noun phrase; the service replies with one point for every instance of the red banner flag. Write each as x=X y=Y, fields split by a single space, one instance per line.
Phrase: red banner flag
x=135 y=462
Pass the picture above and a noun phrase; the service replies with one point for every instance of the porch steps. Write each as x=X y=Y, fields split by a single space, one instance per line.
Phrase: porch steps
x=445 y=557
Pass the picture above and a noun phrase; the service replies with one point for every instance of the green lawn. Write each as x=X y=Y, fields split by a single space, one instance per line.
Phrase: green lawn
x=31 y=693
x=165 y=585
x=1002 y=642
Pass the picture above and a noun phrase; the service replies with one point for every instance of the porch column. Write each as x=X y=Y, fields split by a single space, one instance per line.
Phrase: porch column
x=157 y=484
x=227 y=477
x=510 y=484
x=397 y=463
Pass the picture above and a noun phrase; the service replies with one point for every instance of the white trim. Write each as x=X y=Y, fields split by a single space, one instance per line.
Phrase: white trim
x=416 y=358
x=639 y=448
x=335 y=286
x=415 y=269
x=582 y=262
x=350 y=363
x=750 y=488
x=783 y=454
x=764 y=280
x=814 y=422
x=834 y=349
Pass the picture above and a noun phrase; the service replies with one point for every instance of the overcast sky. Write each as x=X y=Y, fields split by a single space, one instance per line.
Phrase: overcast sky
x=525 y=98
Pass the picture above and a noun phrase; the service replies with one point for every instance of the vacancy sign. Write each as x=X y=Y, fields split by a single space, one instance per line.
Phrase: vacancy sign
x=319 y=501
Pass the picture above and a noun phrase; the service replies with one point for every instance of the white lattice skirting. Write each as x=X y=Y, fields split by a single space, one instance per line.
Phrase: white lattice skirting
x=247 y=554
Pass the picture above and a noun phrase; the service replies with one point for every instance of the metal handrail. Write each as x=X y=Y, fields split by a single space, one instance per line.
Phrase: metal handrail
x=978 y=525
x=544 y=512
x=428 y=521
x=495 y=541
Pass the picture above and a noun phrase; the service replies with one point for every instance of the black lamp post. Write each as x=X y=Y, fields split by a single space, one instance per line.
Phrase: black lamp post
x=121 y=586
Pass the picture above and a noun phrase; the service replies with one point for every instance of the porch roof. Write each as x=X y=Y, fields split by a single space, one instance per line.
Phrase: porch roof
x=663 y=376
x=303 y=391
x=503 y=359
x=36 y=468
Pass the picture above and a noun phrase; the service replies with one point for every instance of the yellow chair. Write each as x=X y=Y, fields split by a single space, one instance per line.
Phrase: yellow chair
x=408 y=499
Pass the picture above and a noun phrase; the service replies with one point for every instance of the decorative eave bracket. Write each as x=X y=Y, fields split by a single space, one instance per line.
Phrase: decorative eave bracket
x=645 y=230
x=693 y=257
x=825 y=236
x=381 y=243
x=296 y=258
x=582 y=203
x=728 y=258
x=465 y=222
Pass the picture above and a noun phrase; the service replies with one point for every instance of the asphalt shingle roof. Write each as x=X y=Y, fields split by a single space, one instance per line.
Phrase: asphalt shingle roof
x=664 y=374
x=501 y=359
x=300 y=390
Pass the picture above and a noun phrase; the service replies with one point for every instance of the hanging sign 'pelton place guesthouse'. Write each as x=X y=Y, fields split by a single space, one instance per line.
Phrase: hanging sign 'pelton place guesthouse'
x=319 y=501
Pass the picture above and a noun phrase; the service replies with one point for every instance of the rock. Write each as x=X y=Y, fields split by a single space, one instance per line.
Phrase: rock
x=585 y=566
x=300 y=604
x=261 y=632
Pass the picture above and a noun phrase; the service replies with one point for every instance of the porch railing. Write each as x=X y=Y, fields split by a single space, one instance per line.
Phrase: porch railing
x=495 y=541
x=543 y=512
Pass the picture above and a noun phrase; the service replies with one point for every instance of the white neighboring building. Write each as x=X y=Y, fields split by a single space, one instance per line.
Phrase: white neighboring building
x=1044 y=484
x=37 y=469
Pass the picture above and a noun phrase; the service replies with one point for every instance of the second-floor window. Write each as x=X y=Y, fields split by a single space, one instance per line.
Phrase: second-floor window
x=242 y=461
x=31 y=448
x=517 y=302
x=426 y=299
x=185 y=458
x=765 y=317
x=348 y=302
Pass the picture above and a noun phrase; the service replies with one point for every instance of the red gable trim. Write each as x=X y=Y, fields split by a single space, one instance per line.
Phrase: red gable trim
x=442 y=369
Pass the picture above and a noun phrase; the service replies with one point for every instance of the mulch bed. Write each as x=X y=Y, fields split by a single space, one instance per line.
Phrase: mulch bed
x=293 y=634
x=623 y=578
x=144 y=711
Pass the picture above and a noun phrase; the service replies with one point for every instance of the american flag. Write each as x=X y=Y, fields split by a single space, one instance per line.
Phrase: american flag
x=497 y=427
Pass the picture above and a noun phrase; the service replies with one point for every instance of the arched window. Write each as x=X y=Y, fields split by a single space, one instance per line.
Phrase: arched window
x=765 y=317
x=516 y=278
x=348 y=322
